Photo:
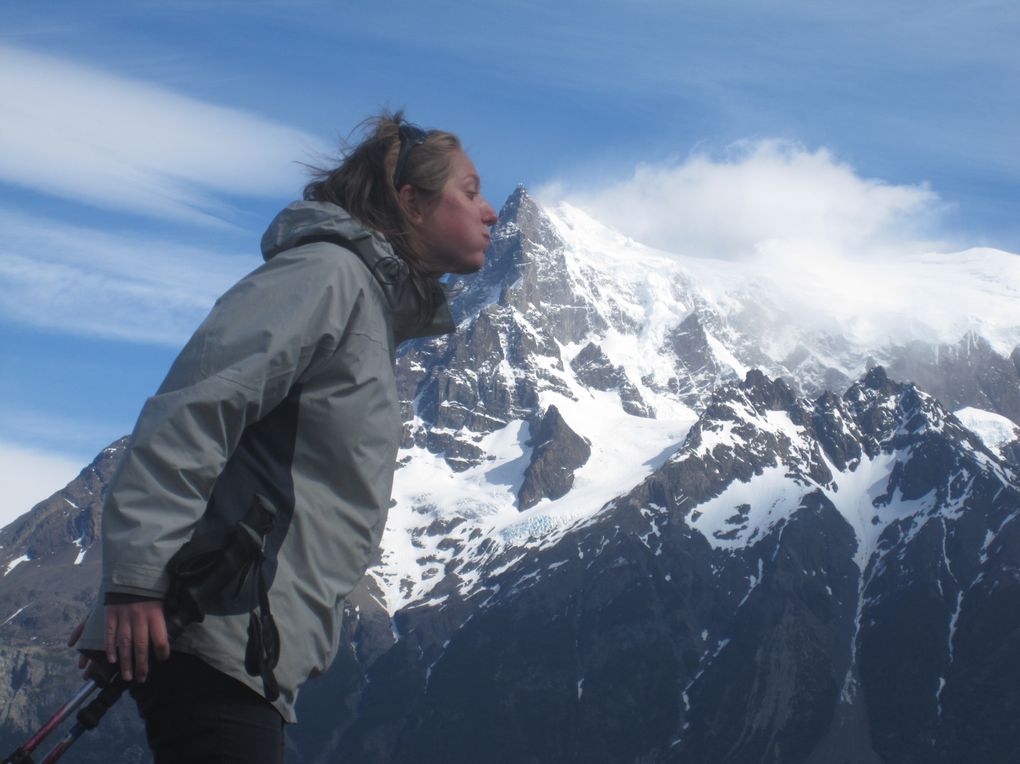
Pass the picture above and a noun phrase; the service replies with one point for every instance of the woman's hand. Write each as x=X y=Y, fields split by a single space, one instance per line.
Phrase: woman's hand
x=130 y=631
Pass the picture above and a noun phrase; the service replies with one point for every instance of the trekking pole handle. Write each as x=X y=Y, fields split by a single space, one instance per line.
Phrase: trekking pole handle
x=89 y=717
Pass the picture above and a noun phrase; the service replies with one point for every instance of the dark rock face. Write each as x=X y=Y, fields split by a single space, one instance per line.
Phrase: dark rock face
x=969 y=373
x=594 y=369
x=558 y=452
x=772 y=687
x=1011 y=452
x=697 y=371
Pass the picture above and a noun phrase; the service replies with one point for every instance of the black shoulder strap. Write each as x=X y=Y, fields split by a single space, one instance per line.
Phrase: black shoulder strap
x=414 y=314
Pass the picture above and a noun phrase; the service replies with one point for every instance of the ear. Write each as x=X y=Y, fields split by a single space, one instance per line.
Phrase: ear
x=411 y=203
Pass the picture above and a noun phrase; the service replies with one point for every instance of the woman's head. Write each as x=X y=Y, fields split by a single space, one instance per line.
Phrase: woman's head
x=416 y=187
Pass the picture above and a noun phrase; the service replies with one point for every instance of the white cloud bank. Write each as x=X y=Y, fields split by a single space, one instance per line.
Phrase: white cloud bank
x=757 y=198
x=80 y=133
x=29 y=476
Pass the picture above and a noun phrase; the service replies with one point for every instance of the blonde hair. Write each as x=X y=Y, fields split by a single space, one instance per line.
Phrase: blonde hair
x=363 y=183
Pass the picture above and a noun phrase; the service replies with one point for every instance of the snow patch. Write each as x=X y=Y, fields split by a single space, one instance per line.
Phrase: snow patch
x=79 y=542
x=478 y=506
x=755 y=581
x=13 y=615
x=16 y=562
x=745 y=513
x=854 y=494
x=995 y=431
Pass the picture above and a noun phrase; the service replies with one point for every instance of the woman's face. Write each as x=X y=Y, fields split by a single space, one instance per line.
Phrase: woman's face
x=455 y=230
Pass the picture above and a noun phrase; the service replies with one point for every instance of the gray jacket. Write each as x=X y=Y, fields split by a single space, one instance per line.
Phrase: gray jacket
x=286 y=390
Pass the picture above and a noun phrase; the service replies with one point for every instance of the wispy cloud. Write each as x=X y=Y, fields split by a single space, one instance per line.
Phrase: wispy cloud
x=83 y=281
x=75 y=437
x=758 y=196
x=77 y=132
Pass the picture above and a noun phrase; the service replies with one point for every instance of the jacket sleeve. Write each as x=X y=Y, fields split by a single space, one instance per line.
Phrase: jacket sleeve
x=260 y=338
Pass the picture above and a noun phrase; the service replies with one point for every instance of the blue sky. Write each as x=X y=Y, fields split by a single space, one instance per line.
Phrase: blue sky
x=145 y=145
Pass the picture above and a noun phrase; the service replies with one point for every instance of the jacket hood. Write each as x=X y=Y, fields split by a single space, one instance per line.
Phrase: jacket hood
x=306 y=222
x=303 y=222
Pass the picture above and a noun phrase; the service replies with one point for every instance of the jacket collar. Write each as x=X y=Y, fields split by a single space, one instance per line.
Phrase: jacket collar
x=403 y=296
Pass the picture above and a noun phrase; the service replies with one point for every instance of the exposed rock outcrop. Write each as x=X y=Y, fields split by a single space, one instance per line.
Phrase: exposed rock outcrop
x=557 y=453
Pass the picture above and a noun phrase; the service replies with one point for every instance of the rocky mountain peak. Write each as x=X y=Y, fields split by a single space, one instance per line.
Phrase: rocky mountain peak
x=519 y=210
x=513 y=319
x=770 y=394
x=876 y=379
x=522 y=235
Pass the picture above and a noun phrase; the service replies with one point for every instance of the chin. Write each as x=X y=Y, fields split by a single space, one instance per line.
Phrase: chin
x=460 y=264
x=470 y=265
x=467 y=268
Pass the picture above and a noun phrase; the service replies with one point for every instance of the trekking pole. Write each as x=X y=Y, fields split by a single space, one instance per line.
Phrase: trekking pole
x=23 y=754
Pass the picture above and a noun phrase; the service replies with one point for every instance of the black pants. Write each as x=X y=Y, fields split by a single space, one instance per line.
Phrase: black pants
x=194 y=713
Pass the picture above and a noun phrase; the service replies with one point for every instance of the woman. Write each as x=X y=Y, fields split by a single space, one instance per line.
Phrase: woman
x=286 y=392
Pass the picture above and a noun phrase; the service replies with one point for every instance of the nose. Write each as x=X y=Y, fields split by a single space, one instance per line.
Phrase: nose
x=489 y=216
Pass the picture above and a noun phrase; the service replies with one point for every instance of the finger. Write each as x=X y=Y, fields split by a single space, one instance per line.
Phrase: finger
x=140 y=644
x=157 y=634
x=76 y=634
x=82 y=661
x=111 y=634
x=124 y=648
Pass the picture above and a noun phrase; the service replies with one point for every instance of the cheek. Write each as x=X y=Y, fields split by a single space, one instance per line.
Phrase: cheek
x=452 y=223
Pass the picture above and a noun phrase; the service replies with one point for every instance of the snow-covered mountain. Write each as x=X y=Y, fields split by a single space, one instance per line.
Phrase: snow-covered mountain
x=625 y=346
x=657 y=508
